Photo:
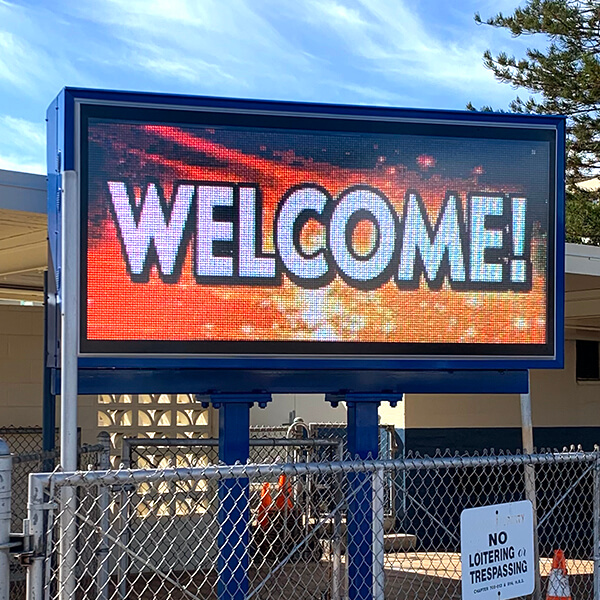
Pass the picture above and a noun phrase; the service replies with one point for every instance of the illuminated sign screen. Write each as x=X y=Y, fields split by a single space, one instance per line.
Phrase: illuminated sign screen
x=222 y=233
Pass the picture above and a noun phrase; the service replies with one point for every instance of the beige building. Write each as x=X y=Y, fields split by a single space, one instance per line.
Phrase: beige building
x=566 y=403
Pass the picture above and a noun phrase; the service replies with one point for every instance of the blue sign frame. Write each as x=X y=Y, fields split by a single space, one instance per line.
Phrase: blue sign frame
x=349 y=371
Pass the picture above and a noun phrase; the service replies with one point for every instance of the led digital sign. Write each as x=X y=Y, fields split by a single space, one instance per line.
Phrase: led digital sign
x=223 y=233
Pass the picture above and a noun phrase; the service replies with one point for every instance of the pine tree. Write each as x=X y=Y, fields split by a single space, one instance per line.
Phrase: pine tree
x=564 y=78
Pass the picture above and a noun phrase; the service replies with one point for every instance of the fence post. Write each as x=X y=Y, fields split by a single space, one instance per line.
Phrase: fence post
x=102 y=552
x=529 y=476
x=596 y=525
x=378 y=533
x=336 y=568
x=124 y=517
x=5 y=480
x=34 y=527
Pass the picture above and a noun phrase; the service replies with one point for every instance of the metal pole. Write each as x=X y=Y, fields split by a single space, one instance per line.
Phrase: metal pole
x=336 y=568
x=234 y=502
x=596 y=554
x=69 y=297
x=529 y=475
x=378 y=533
x=5 y=476
x=68 y=378
x=34 y=527
x=124 y=533
x=102 y=552
x=363 y=443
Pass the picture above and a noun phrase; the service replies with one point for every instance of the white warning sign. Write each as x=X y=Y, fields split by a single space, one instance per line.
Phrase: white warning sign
x=497 y=553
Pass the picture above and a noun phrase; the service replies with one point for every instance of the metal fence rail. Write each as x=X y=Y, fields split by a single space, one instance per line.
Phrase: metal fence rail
x=177 y=452
x=243 y=531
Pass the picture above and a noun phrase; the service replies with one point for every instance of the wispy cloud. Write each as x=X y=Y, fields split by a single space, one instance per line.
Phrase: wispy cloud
x=218 y=46
x=392 y=39
x=22 y=145
x=14 y=162
x=426 y=53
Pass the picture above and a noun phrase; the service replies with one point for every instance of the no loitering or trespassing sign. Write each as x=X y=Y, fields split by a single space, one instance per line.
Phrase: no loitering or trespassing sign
x=497 y=554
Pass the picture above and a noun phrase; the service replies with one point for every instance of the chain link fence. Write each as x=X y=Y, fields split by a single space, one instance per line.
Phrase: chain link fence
x=160 y=453
x=155 y=453
x=25 y=444
x=269 y=531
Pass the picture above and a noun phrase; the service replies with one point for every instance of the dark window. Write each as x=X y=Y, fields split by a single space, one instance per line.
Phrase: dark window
x=588 y=360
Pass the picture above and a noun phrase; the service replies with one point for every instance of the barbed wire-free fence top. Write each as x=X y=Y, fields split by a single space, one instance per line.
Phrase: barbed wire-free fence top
x=207 y=532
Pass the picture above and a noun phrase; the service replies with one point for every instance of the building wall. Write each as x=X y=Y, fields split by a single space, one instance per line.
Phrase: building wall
x=564 y=412
x=21 y=373
x=309 y=407
x=21 y=346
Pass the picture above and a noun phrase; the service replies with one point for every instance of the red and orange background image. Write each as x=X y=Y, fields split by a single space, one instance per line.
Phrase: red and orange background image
x=120 y=309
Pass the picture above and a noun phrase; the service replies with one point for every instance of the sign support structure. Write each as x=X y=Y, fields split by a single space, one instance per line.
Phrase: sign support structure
x=365 y=525
x=69 y=299
x=234 y=494
x=294 y=278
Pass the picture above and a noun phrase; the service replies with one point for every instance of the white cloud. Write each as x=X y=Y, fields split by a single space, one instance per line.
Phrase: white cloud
x=24 y=134
x=15 y=163
x=219 y=46
x=389 y=38
x=35 y=52
x=352 y=51
x=22 y=145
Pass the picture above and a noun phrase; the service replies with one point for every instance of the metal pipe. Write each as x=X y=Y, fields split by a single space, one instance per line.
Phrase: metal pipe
x=124 y=540
x=529 y=475
x=261 y=470
x=34 y=527
x=336 y=542
x=5 y=491
x=103 y=549
x=124 y=537
x=378 y=533
x=69 y=296
x=187 y=442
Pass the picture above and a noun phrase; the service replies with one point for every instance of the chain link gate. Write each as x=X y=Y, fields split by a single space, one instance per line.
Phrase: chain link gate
x=26 y=458
x=154 y=533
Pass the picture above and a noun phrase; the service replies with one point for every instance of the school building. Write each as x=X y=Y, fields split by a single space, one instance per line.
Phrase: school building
x=565 y=403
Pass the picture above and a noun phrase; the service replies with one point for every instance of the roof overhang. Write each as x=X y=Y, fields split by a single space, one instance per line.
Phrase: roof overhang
x=23 y=234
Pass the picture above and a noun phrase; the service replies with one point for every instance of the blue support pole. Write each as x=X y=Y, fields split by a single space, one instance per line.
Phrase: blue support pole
x=234 y=494
x=363 y=443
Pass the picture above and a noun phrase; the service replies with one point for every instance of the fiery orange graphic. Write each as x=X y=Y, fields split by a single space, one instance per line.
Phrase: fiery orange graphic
x=119 y=309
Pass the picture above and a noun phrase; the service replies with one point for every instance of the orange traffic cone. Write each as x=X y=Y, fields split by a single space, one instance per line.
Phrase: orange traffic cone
x=264 y=506
x=558 y=582
x=284 y=494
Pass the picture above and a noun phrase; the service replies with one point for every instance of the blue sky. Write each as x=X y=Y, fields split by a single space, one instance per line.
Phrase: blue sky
x=410 y=53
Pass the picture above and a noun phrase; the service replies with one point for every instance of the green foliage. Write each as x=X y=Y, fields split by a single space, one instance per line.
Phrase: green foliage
x=582 y=218
x=563 y=76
